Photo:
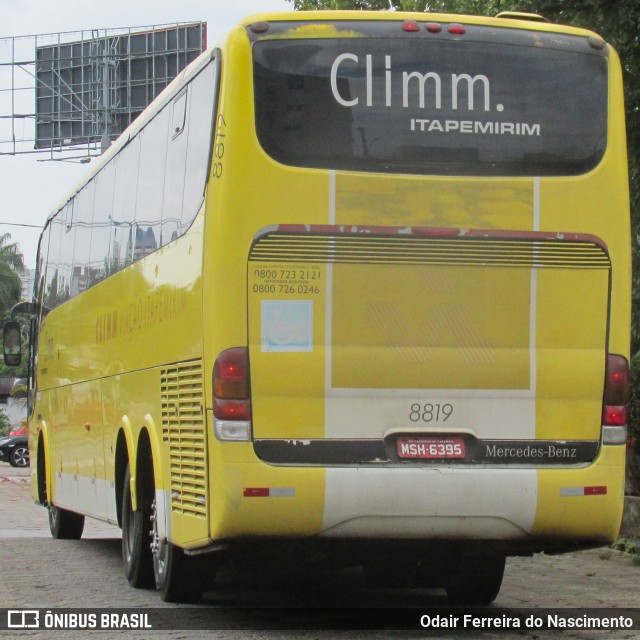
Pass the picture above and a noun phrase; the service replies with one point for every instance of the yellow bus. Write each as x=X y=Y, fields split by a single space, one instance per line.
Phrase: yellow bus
x=356 y=282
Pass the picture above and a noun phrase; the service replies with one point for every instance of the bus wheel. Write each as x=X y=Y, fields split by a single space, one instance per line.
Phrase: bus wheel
x=136 y=540
x=179 y=578
x=65 y=525
x=475 y=580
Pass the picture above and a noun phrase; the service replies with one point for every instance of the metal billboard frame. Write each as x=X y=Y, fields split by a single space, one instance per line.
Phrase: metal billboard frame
x=81 y=89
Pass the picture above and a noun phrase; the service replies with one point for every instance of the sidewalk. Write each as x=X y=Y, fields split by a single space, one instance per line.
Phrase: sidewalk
x=23 y=518
x=13 y=474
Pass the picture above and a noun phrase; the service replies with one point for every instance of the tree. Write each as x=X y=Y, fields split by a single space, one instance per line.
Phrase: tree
x=377 y=5
x=617 y=21
x=5 y=425
x=11 y=263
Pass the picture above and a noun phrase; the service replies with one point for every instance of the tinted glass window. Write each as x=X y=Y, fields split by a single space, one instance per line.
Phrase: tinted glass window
x=145 y=197
x=174 y=173
x=80 y=275
x=151 y=177
x=432 y=106
x=124 y=205
x=200 y=116
x=100 y=259
x=41 y=265
x=58 y=268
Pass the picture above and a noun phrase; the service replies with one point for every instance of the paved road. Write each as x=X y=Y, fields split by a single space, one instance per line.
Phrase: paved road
x=37 y=571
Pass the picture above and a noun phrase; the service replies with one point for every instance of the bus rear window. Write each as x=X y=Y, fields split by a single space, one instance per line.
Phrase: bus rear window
x=438 y=107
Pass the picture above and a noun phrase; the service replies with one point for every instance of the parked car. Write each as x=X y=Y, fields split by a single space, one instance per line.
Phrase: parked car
x=21 y=430
x=15 y=450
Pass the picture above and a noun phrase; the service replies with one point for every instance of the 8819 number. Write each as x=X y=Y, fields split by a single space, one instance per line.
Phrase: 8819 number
x=430 y=412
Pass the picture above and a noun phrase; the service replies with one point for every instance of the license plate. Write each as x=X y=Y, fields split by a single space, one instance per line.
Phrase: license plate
x=431 y=448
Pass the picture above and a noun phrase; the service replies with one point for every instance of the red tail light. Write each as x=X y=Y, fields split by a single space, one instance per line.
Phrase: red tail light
x=456 y=29
x=616 y=392
x=232 y=409
x=231 y=385
x=230 y=379
x=410 y=26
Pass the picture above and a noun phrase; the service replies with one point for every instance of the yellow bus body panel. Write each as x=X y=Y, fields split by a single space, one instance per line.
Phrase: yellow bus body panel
x=565 y=508
x=371 y=302
x=337 y=350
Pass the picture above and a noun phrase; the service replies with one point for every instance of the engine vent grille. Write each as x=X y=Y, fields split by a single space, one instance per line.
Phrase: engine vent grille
x=183 y=429
x=415 y=248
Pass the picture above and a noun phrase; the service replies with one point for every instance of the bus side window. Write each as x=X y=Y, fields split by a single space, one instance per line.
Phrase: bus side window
x=41 y=270
x=175 y=170
x=56 y=287
x=100 y=256
x=201 y=113
x=79 y=276
x=151 y=178
x=124 y=206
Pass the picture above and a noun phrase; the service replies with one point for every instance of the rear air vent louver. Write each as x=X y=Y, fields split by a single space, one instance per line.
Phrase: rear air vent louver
x=439 y=247
x=183 y=430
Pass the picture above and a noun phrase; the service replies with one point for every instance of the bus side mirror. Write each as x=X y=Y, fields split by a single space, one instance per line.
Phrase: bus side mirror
x=12 y=343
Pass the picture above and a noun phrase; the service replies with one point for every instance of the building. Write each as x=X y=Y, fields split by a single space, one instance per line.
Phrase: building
x=13 y=400
x=27 y=277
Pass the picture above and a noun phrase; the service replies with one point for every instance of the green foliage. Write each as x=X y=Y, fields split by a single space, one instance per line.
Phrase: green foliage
x=5 y=425
x=305 y=5
x=623 y=544
x=11 y=263
x=19 y=391
x=15 y=372
x=618 y=23
x=634 y=401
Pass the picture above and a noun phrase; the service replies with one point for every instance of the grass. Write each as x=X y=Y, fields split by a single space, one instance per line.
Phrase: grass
x=628 y=546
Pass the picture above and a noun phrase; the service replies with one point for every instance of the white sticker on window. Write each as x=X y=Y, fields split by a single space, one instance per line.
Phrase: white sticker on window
x=287 y=325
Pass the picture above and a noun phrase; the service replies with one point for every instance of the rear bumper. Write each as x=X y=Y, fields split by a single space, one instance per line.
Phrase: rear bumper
x=581 y=507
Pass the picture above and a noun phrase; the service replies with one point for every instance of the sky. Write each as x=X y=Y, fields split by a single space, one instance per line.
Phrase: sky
x=30 y=188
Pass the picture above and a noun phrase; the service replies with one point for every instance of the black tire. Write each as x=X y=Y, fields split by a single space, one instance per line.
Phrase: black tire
x=65 y=525
x=434 y=569
x=475 y=580
x=178 y=577
x=136 y=538
x=19 y=456
x=383 y=573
